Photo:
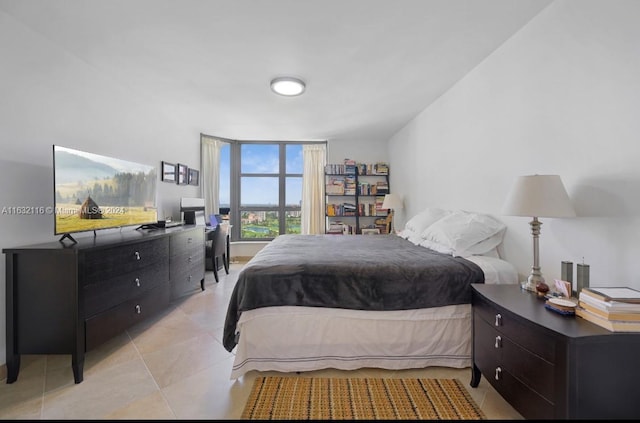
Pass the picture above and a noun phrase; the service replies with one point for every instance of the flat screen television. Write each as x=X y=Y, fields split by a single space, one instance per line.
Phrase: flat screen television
x=93 y=192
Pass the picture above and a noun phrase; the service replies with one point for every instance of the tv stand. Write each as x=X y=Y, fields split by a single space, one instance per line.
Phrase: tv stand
x=68 y=299
x=65 y=236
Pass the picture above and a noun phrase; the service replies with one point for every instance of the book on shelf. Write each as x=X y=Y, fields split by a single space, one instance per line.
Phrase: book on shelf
x=609 y=306
x=335 y=185
x=612 y=325
x=621 y=294
x=611 y=315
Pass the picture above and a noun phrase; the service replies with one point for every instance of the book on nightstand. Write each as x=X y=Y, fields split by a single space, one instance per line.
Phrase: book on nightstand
x=611 y=315
x=612 y=325
x=620 y=294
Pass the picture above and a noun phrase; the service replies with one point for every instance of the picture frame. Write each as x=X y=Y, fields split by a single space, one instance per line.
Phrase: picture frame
x=194 y=177
x=370 y=231
x=183 y=174
x=168 y=172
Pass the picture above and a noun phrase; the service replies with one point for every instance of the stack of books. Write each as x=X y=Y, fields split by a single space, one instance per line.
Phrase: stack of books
x=616 y=309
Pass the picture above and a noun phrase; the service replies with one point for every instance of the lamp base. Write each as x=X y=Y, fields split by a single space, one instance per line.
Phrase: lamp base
x=528 y=286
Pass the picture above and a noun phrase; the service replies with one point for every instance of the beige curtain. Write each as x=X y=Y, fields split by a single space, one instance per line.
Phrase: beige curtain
x=210 y=178
x=314 y=157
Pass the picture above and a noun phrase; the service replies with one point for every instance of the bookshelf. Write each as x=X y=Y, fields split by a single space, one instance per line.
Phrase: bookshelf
x=354 y=194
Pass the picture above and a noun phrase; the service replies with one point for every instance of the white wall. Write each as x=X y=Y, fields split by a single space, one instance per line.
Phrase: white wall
x=49 y=97
x=560 y=97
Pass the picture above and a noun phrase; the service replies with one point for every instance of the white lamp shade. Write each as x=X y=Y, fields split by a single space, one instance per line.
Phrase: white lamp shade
x=392 y=201
x=538 y=196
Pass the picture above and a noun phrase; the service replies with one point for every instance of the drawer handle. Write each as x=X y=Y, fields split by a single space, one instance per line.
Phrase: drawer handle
x=137 y=255
x=190 y=278
x=189 y=240
x=498 y=373
x=138 y=311
x=498 y=341
x=189 y=259
x=137 y=281
x=498 y=319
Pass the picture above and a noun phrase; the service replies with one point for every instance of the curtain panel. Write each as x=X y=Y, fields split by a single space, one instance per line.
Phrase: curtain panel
x=314 y=158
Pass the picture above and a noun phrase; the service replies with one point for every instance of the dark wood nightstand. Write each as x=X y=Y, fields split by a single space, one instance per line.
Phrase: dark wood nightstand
x=549 y=366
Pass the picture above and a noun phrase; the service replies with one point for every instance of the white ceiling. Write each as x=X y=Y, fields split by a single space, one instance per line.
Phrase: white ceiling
x=370 y=65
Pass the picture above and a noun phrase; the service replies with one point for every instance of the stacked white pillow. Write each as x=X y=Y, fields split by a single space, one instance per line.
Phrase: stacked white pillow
x=417 y=224
x=457 y=232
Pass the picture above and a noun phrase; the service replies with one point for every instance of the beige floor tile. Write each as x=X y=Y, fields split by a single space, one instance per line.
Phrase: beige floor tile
x=152 y=407
x=100 y=394
x=180 y=360
x=209 y=394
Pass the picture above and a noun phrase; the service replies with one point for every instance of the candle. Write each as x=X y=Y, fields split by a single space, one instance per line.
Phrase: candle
x=566 y=273
x=582 y=275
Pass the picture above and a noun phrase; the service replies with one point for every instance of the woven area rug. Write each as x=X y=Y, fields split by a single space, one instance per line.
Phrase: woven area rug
x=300 y=398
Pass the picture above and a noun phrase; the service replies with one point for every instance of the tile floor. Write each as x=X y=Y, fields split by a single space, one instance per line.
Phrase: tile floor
x=172 y=366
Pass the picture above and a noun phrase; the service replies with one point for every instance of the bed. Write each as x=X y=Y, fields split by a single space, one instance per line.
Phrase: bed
x=309 y=302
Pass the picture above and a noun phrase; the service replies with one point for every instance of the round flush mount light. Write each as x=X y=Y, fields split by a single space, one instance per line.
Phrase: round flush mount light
x=287 y=86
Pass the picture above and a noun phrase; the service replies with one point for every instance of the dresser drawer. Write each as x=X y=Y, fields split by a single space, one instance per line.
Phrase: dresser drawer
x=189 y=241
x=186 y=278
x=116 y=320
x=110 y=262
x=517 y=331
x=530 y=369
x=106 y=293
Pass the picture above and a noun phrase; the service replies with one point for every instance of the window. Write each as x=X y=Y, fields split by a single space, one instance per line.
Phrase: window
x=265 y=188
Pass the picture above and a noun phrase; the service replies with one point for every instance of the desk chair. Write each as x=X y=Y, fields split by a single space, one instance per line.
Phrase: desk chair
x=216 y=251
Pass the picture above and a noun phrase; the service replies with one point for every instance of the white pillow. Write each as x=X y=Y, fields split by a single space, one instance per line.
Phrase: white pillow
x=436 y=247
x=461 y=230
x=411 y=236
x=486 y=246
x=425 y=218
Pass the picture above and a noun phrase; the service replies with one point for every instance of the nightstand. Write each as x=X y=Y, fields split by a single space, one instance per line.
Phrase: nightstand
x=549 y=366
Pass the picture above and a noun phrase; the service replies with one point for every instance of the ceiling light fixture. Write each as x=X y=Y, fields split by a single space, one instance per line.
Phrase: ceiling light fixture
x=287 y=86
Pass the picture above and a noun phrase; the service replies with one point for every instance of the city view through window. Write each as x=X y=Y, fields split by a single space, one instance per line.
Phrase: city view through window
x=270 y=188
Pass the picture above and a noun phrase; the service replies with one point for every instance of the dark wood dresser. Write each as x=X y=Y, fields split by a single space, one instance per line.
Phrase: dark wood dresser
x=70 y=298
x=550 y=366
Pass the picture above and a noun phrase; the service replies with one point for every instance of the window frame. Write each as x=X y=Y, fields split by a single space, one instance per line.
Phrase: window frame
x=235 y=185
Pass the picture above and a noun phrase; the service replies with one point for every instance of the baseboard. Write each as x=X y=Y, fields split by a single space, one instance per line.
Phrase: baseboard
x=240 y=259
x=3 y=372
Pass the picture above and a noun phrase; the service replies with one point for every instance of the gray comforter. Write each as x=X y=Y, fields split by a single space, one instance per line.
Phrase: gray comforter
x=376 y=272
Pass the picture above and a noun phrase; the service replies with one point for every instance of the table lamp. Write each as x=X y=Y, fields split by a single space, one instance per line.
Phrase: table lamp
x=537 y=196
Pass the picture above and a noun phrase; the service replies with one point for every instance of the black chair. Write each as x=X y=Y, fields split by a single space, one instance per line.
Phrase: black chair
x=216 y=251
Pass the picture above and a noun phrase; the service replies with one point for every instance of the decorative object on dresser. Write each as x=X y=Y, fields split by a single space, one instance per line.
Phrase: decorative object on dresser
x=392 y=202
x=549 y=366
x=69 y=299
x=537 y=196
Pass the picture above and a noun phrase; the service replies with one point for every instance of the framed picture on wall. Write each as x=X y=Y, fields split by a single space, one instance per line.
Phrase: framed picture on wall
x=194 y=177
x=168 y=172
x=183 y=174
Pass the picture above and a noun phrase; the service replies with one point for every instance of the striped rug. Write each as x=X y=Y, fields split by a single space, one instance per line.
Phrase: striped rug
x=300 y=398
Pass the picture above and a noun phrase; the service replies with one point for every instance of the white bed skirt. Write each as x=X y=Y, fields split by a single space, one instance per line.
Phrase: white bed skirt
x=278 y=338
